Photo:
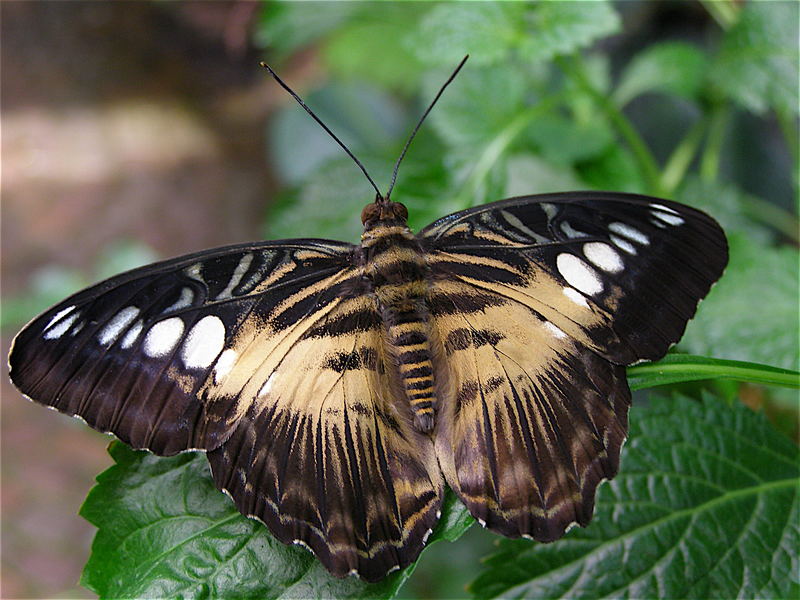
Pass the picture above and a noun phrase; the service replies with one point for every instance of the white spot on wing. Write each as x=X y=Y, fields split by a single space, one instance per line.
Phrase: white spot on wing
x=132 y=335
x=578 y=274
x=571 y=232
x=664 y=208
x=203 y=343
x=549 y=209
x=187 y=295
x=58 y=315
x=517 y=224
x=629 y=232
x=267 y=385
x=224 y=364
x=117 y=324
x=604 y=256
x=163 y=337
x=238 y=273
x=554 y=330
x=657 y=223
x=426 y=536
x=60 y=323
x=193 y=271
x=576 y=297
x=669 y=216
x=623 y=244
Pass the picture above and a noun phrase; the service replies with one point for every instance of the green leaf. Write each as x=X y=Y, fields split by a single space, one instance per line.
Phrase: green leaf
x=165 y=531
x=616 y=169
x=477 y=105
x=529 y=174
x=757 y=65
x=678 y=368
x=563 y=27
x=669 y=67
x=751 y=313
x=484 y=30
x=566 y=141
x=328 y=204
x=705 y=505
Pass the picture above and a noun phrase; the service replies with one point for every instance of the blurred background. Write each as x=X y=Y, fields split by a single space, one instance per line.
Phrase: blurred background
x=138 y=130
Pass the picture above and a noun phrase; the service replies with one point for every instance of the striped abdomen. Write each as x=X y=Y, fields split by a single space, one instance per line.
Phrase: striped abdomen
x=407 y=333
x=395 y=266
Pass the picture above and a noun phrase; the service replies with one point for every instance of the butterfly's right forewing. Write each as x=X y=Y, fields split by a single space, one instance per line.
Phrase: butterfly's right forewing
x=141 y=354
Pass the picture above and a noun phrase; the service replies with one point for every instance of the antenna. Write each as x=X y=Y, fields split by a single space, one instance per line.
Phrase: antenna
x=419 y=124
x=379 y=197
x=325 y=127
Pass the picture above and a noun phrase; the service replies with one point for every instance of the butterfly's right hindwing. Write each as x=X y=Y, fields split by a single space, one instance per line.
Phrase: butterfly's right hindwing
x=142 y=354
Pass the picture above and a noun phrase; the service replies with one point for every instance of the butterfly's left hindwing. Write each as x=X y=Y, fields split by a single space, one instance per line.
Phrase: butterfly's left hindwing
x=143 y=355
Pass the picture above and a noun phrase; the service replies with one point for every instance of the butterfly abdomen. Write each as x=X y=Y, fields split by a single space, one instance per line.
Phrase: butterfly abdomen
x=398 y=273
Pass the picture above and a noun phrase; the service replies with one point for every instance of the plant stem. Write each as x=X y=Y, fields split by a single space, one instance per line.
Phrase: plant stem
x=771 y=214
x=709 y=165
x=681 y=158
x=676 y=368
x=647 y=163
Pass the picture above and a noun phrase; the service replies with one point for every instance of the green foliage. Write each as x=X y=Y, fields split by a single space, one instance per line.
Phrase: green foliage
x=705 y=506
x=757 y=65
x=187 y=540
x=760 y=275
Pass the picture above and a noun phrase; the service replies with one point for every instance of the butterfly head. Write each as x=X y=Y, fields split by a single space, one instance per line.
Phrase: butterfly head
x=383 y=211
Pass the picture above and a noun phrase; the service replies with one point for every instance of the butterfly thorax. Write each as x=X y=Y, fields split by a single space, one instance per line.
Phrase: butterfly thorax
x=397 y=275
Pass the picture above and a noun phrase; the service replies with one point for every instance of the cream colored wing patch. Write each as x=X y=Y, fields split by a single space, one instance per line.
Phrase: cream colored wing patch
x=534 y=419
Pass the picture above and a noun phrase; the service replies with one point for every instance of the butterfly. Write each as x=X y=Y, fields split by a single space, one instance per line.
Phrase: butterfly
x=337 y=389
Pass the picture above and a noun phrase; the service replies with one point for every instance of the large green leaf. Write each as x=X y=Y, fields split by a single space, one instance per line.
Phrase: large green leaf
x=751 y=313
x=477 y=105
x=165 y=531
x=758 y=62
x=705 y=506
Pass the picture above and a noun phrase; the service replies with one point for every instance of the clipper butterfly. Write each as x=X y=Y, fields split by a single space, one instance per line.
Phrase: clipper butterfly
x=337 y=388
